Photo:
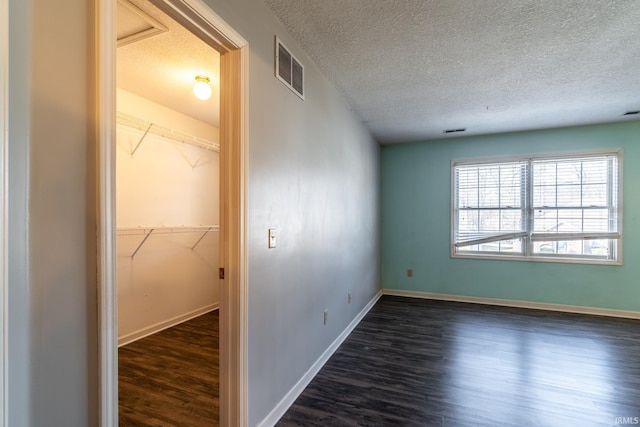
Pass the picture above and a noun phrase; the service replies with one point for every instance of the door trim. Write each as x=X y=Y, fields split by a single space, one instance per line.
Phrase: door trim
x=106 y=152
x=202 y=21
x=4 y=143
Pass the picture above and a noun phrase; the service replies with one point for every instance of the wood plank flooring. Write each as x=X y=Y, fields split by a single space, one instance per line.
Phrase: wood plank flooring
x=414 y=362
x=171 y=378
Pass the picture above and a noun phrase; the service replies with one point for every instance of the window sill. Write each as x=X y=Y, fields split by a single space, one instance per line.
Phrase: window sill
x=540 y=258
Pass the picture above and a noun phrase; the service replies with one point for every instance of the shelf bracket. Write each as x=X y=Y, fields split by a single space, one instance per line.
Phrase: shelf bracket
x=141 y=139
x=142 y=243
x=201 y=237
x=197 y=161
x=177 y=145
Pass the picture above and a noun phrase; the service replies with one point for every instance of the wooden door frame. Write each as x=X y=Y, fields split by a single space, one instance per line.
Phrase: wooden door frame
x=234 y=78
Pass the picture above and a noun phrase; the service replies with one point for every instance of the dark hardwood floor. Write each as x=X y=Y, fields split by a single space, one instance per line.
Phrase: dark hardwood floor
x=171 y=378
x=414 y=362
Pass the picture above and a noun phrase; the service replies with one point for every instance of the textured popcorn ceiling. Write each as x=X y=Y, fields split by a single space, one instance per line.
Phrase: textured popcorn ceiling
x=162 y=68
x=413 y=68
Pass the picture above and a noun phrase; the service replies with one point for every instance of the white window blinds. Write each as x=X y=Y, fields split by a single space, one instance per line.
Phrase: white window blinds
x=575 y=199
x=544 y=206
x=490 y=205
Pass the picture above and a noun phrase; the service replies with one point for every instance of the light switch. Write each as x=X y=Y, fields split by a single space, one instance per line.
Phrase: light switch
x=272 y=238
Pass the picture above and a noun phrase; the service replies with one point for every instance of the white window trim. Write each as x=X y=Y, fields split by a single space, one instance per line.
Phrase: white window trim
x=532 y=237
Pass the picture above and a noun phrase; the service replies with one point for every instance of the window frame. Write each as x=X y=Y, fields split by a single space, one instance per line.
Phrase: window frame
x=527 y=235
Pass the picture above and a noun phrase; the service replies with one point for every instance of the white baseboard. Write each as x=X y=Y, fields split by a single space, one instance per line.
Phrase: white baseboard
x=288 y=400
x=515 y=303
x=150 y=330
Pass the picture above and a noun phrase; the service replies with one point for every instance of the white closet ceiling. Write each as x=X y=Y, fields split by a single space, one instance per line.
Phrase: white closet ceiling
x=412 y=69
x=162 y=65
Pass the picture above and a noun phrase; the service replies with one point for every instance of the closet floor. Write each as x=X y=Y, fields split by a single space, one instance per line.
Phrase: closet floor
x=171 y=378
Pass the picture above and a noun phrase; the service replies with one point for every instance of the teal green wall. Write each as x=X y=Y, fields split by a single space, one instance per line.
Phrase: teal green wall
x=416 y=186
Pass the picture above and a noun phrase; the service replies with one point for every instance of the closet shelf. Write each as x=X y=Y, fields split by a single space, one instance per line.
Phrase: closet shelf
x=166 y=229
x=145 y=232
x=156 y=129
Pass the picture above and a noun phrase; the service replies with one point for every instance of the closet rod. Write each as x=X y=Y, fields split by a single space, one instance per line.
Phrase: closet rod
x=156 y=129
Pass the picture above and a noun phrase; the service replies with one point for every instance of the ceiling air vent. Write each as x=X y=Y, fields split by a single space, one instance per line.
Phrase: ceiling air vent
x=289 y=70
x=631 y=113
x=454 y=130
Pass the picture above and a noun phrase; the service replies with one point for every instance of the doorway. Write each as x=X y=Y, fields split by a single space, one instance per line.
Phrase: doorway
x=233 y=49
x=167 y=220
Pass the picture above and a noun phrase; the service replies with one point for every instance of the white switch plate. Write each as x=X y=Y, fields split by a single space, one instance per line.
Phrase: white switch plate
x=272 y=238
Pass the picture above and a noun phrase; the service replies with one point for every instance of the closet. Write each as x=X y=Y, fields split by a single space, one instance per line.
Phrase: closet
x=167 y=218
x=167 y=173
x=167 y=221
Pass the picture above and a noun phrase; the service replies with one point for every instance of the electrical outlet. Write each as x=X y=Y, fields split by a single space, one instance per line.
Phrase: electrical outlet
x=410 y=273
x=326 y=316
x=349 y=298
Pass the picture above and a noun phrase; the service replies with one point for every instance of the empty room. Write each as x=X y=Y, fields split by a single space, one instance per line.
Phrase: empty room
x=509 y=163
x=420 y=214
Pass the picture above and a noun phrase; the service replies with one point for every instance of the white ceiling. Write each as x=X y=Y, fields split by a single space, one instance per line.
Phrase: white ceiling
x=163 y=67
x=414 y=68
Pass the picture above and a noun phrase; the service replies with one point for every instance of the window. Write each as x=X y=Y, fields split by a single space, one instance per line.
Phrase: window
x=563 y=208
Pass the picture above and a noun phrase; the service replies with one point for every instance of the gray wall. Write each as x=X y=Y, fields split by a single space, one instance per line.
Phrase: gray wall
x=18 y=347
x=52 y=269
x=313 y=174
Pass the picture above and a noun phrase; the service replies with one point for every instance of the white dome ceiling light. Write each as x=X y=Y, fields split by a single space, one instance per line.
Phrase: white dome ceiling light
x=202 y=88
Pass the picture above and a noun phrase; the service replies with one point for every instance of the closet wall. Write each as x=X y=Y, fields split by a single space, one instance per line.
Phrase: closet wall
x=167 y=217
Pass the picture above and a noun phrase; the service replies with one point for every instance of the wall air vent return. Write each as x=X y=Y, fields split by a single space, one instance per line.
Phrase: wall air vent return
x=289 y=70
x=454 y=130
